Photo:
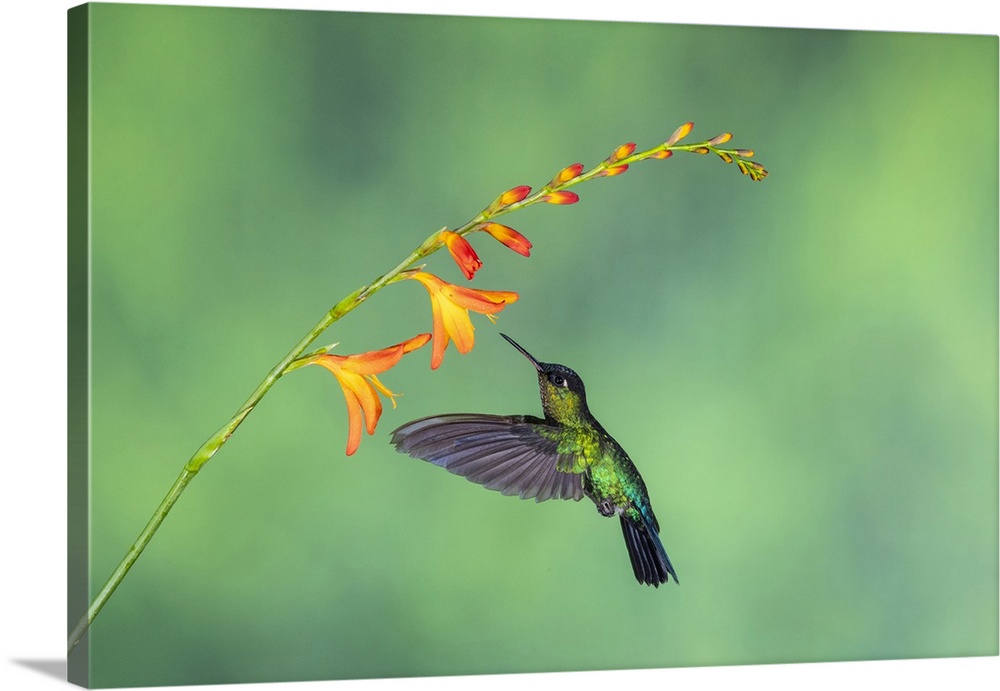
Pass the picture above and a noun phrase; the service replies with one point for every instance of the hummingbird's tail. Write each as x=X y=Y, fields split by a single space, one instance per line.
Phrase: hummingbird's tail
x=649 y=559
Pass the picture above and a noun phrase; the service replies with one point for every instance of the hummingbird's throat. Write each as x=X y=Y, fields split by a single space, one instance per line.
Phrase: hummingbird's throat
x=562 y=405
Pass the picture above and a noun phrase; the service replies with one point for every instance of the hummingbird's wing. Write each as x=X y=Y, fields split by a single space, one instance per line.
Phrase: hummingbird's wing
x=509 y=453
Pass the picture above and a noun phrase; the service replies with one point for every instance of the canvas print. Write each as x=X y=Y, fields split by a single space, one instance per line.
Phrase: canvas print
x=411 y=345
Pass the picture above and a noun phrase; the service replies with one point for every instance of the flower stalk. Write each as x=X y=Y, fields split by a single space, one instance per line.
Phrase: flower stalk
x=450 y=307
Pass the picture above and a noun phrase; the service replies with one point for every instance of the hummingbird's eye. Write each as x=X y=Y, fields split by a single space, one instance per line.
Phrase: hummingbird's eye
x=558 y=380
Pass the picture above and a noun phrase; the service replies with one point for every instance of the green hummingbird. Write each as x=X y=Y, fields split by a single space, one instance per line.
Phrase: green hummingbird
x=566 y=455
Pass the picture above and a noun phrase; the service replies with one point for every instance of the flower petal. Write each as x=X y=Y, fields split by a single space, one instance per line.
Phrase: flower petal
x=440 y=332
x=458 y=325
x=353 y=421
x=482 y=301
x=374 y=361
x=371 y=404
x=418 y=341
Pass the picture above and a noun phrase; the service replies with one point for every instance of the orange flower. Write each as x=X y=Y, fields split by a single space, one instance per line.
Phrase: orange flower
x=509 y=237
x=462 y=252
x=450 y=305
x=356 y=374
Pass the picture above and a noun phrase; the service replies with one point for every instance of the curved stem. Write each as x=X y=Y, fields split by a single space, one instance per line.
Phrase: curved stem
x=133 y=553
x=217 y=440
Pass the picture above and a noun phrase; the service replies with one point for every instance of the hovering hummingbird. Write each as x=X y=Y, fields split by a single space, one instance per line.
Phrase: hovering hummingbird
x=566 y=455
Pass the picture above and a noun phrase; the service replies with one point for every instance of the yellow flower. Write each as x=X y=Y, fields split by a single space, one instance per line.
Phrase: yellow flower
x=450 y=305
x=356 y=374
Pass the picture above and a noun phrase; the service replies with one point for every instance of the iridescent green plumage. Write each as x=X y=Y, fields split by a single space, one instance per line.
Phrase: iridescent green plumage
x=566 y=455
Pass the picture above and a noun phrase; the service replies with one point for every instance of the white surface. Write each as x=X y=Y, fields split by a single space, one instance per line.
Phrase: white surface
x=32 y=38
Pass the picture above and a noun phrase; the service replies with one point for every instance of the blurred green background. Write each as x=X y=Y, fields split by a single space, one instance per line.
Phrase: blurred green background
x=804 y=370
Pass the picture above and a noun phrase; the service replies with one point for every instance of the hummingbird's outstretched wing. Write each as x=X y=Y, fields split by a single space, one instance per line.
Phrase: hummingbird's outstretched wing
x=508 y=453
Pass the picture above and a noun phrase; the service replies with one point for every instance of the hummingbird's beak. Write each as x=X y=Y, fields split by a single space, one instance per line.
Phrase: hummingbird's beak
x=525 y=353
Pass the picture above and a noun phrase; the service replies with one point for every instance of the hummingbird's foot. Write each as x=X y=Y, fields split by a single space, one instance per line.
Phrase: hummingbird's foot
x=606 y=508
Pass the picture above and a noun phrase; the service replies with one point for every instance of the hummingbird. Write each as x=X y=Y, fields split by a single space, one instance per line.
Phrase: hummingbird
x=565 y=455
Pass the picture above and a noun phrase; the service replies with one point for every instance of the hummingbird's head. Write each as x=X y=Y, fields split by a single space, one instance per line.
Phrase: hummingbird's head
x=564 y=399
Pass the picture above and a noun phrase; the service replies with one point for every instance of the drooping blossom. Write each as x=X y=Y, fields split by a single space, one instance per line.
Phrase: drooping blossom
x=463 y=254
x=450 y=305
x=356 y=375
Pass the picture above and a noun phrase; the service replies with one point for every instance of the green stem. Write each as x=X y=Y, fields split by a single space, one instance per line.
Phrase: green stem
x=133 y=553
x=217 y=440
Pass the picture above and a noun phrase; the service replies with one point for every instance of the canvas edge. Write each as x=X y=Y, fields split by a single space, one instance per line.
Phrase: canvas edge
x=78 y=335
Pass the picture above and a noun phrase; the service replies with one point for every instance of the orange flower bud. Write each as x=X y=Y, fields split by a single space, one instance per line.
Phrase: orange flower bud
x=566 y=174
x=679 y=134
x=615 y=170
x=621 y=152
x=562 y=197
x=462 y=252
x=720 y=138
x=514 y=195
x=508 y=236
x=756 y=171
